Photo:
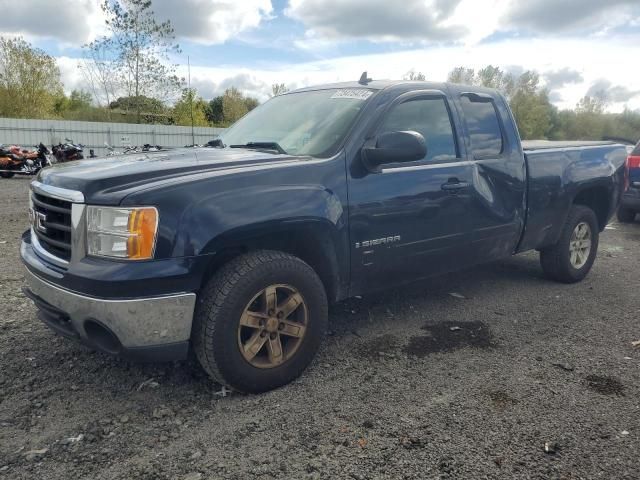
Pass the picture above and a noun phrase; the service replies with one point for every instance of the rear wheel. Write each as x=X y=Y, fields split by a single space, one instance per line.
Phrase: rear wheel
x=259 y=321
x=572 y=257
x=6 y=174
x=626 y=215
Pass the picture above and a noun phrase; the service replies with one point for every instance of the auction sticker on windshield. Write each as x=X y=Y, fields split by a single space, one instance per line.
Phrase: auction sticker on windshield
x=354 y=93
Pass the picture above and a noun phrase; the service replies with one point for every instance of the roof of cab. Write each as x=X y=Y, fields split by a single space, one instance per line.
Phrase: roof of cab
x=373 y=85
x=383 y=84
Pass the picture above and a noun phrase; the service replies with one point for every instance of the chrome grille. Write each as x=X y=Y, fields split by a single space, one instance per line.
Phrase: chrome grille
x=52 y=224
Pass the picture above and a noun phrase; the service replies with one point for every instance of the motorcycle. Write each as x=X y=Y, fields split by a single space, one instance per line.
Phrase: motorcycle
x=17 y=161
x=68 y=151
x=147 y=147
x=111 y=151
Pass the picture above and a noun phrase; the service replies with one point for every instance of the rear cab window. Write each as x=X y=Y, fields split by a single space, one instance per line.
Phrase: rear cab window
x=483 y=124
x=430 y=117
x=636 y=151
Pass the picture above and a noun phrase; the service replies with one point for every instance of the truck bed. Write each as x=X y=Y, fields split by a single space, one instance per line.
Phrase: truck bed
x=555 y=169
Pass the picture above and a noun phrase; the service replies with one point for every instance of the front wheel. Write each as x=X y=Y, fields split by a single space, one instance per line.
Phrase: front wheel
x=625 y=215
x=572 y=257
x=259 y=321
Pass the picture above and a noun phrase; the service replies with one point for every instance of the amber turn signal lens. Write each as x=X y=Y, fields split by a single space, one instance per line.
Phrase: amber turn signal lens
x=142 y=226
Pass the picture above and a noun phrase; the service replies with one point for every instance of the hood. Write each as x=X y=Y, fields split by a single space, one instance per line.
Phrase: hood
x=102 y=179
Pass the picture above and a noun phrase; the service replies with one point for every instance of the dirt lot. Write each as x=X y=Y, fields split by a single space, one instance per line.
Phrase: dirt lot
x=415 y=383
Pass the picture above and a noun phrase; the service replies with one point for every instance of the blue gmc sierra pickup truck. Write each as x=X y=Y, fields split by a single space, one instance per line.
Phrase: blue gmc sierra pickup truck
x=235 y=250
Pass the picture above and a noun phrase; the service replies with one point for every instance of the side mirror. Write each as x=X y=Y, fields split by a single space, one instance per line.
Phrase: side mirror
x=396 y=147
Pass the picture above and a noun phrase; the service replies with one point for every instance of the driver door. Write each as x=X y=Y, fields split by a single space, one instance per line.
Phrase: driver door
x=411 y=220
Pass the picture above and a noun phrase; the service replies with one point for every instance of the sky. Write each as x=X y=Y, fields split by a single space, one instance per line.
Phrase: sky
x=579 y=47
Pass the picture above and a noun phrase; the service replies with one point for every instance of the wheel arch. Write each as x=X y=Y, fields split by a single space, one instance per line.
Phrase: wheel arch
x=598 y=199
x=314 y=241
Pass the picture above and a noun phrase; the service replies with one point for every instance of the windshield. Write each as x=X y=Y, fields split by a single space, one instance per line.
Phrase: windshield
x=307 y=123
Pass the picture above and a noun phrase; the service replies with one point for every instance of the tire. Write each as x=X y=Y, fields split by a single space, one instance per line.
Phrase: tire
x=217 y=334
x=556 y=260
x=7 y=174
x=626 y=215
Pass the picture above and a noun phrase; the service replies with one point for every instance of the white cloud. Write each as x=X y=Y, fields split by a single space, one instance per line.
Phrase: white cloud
x=75 y=22
x=378 y=20
x=569 y=64
x=481 y=18
x=71 y=75
x=604 y=90
x=245 y=81
x=71 y=22
x=559 y=78
x=592 y=58
x=457 y=21
x=571 y=15
x=212 y=21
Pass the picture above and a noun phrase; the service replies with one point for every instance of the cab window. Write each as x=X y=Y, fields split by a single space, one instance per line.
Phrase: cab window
x=482 y=122
x=429 y=117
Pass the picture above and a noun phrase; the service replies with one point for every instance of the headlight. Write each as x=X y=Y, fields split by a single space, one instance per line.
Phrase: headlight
x=128 y=233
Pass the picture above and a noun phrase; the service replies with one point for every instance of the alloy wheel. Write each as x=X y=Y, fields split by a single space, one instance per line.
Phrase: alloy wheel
x=272 y=326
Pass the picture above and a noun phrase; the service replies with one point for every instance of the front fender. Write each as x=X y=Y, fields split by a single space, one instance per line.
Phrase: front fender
x=299 y=207
x=220 y=220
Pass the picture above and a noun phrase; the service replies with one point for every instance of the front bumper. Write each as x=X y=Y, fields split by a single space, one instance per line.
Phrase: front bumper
x=149 y=328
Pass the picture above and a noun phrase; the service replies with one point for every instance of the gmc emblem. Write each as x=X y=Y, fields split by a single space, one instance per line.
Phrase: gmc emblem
x=39 y=220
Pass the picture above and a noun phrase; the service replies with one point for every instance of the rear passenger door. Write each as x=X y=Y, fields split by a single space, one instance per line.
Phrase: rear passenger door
x=411 y=220
x=498 y=175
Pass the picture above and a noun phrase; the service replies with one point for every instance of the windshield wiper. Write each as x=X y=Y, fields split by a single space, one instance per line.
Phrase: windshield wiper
x=261 y=146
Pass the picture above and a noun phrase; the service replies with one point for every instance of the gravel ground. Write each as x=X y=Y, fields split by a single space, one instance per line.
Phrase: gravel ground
x=513 y=376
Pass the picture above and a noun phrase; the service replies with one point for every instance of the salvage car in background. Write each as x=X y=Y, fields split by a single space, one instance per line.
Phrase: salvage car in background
x=630 y=205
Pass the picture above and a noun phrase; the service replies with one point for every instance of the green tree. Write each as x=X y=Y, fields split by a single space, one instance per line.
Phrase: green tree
x=225 y=109
x=462 y=75
x=146 y=104
x=141 y=47
x=413 y=75
x=533 y=113
x=100 y=72
x=29 y=80
x=530 y=105
x=589 y=121
x=190 y=106
x=77 y=101
x=532 y=110
x=234 y=105
x=251 y=103
x=278 y=89
x=214 y=112
x=625 y=125
x=590 y=105
x=494 y=77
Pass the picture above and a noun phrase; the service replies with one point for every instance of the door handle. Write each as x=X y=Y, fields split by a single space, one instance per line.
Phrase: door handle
x=454 y=186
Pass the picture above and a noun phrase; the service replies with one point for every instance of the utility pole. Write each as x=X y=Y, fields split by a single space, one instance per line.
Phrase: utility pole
x=193 y=135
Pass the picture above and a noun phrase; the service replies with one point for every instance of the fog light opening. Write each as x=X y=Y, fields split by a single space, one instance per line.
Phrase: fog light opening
x=103 y=338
